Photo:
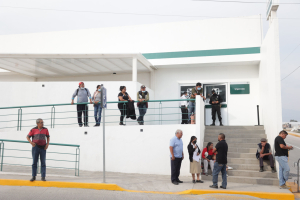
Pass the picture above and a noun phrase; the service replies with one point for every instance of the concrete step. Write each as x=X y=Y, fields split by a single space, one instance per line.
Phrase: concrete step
x=249 y=167
x=241 y=155
x=242 y=150
x=236 y=135
x=242 y=179
x=237 y=145
x=246 y=173
x=234 y=128
x=233 y=140
x=251 y=161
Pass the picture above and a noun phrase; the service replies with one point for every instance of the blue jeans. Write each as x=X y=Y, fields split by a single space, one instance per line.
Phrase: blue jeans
x=216 y=171
x=97 y=113
x=36 y=152
x=284 y=169
x=142 y=110
x=191 y=108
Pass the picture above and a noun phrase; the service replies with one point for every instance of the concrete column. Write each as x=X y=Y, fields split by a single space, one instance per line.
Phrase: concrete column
x=134 y=69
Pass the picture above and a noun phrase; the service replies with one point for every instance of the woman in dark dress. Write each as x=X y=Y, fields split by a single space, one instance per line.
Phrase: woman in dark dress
x=123 y=96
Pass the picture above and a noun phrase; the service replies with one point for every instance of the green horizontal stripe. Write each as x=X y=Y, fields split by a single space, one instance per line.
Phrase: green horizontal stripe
x=203 y=53
x=21 y=141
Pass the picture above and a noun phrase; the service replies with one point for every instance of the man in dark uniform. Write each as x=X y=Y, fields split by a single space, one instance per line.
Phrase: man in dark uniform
x=215 y=101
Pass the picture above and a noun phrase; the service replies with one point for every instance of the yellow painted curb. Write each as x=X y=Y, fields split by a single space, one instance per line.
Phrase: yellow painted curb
x=104 y=186
x=293 y=134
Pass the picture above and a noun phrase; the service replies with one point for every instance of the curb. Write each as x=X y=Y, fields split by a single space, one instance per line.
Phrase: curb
x=114 y=187
x=294 y=134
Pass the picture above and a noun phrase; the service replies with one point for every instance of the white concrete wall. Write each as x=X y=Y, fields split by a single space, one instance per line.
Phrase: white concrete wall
x=270 y=84
x=32 y=93
x=164 y=37
x=127 y=149
x=241 y=108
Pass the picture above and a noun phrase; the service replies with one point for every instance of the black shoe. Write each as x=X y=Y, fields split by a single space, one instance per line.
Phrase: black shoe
x=194 y=181
x=179 y=181
x=221 y=124
x=213 y=186
x=96 y=125
x=43 y=179
x=175 y=182
x=222 y=187
x=199 y=181
x=261 y=169
x=32 y=179
x=213 y=124
x=86 y=125
x=80 y=125
x=273 y=170
x=121 y=124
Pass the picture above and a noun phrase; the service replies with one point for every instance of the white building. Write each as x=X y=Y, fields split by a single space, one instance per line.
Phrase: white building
x=227 y=54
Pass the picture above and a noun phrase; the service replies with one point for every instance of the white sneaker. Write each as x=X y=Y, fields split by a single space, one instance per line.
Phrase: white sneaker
x=230 y=168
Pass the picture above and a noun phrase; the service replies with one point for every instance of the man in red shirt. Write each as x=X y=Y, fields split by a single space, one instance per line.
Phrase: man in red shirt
x=39 y=147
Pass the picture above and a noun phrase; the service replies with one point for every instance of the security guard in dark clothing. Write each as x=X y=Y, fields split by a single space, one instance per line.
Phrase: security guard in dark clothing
x=215 y=101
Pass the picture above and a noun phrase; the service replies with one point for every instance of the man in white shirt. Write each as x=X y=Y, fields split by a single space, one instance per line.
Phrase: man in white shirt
x=184 y=109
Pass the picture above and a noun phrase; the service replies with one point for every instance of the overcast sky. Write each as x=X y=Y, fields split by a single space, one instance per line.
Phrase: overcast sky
x=20 y=20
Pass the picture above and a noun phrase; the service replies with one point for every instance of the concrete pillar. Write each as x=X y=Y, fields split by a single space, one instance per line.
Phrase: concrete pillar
x=134 y=69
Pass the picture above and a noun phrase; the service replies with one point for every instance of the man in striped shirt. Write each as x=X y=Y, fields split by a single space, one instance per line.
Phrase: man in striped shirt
x=39 y=147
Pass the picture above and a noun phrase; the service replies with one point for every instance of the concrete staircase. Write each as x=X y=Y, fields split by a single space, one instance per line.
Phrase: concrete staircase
x=242 y=145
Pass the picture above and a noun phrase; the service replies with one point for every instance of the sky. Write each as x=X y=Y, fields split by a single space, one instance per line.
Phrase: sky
x=99 y=13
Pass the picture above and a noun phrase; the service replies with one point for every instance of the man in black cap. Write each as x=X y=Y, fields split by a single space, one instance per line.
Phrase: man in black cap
x=215 y=101
x=264 y=153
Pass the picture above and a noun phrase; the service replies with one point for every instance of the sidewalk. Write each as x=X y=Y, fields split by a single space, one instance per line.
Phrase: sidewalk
x=139 y=183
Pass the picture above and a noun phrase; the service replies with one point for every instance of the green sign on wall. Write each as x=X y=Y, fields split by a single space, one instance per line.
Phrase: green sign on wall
x=239 y=89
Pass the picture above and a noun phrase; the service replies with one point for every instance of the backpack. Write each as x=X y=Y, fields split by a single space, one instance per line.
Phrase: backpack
x=78 y=90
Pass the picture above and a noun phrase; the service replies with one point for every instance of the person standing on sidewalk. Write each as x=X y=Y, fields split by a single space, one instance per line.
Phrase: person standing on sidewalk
x=221 y=162
x=176 y=154
x=142 y=97
x=39 y=147
x=184 y=109
x=82 y=94
x=195 y=91
x=195 y=159
x=281 y=155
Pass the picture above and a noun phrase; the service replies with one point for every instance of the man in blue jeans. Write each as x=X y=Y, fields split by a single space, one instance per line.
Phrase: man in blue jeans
x=191 y=107
x=142 y=97
x=39 y=147
x=221 y=162
x=281 y=155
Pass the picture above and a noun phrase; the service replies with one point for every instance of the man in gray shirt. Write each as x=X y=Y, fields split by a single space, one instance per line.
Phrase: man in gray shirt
x=82 y=94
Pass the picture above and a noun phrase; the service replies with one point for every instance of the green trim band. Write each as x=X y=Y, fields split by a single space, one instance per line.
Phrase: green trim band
x=203 y=53
x=21 y=141
x=222 y=106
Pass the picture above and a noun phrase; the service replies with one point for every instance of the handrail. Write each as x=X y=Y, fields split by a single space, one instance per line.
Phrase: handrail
x=21 y=141
x=68 y=104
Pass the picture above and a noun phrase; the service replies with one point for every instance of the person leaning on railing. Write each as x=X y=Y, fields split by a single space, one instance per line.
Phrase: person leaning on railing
x=198 y=90
x=39 y=147
x=82 y=94
x=142 y=97
x=97 y=106
x=123 y=96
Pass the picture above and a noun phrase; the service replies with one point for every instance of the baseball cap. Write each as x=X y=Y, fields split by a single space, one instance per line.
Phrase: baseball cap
x=80 y=83
x=143 y=86
x=263 y=139
x=213 y=91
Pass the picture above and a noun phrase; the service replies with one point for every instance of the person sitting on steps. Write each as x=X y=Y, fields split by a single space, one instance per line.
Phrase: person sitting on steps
x=264 y=153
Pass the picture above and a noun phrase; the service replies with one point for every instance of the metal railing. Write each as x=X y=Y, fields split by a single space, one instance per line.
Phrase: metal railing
x=297 y=163
x=20 y=117
x=15 y=156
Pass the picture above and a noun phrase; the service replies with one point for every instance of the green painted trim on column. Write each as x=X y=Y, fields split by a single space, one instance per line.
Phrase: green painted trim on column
x=222 y=106
x=203 y=53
